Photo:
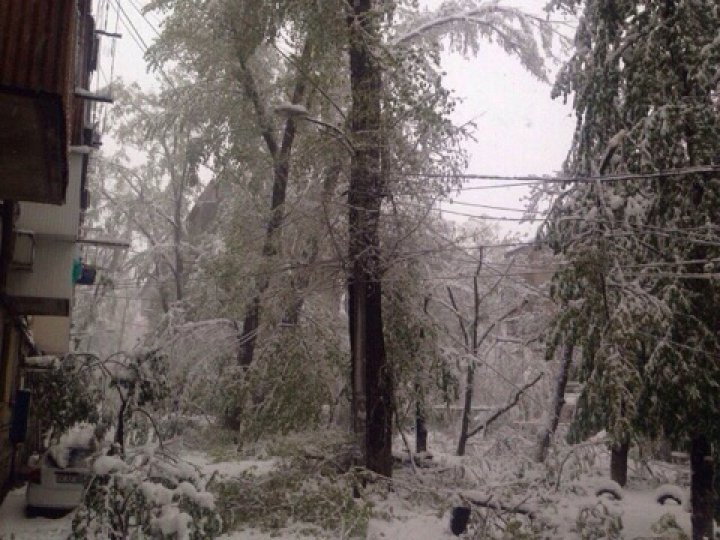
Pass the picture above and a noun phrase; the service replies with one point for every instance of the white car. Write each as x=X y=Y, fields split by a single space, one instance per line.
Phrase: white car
x=52 y=488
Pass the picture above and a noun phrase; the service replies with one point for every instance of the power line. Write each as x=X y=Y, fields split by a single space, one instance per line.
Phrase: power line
x=145 y=18
x=394 y=255
x=131 y=28
x=491 y=207
x=538 y=271
x=545 y=179
x=138 y=39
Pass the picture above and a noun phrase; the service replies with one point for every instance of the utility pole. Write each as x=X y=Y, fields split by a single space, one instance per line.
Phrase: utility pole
x=372 y=388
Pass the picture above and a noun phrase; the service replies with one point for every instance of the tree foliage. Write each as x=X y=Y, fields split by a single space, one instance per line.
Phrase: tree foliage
x=63 y=396
x=638 y=291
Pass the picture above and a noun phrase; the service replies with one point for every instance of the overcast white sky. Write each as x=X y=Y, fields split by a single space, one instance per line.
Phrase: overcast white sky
x=521 y=131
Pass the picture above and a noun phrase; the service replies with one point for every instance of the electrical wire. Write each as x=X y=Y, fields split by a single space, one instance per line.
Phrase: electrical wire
x=138 y=39
x=144 y=17
x=131 y=28
x=532 y=179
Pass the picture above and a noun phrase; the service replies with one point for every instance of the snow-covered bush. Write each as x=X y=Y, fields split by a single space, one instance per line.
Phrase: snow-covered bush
x=598 y=522
x=147 y=495
x=667 y=527
x=201 y=356
x=572 y=463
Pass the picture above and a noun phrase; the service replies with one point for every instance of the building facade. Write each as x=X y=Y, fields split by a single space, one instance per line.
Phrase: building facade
x=48 y=52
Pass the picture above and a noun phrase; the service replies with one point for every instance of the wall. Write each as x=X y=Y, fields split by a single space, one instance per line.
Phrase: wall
x=8 y=384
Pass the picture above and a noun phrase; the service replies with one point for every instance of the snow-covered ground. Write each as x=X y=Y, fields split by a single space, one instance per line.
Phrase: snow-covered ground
x=401 y=514
x=14 y=525
x=228 y=469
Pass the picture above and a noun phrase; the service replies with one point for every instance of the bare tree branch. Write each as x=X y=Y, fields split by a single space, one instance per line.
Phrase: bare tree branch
x=514 y=401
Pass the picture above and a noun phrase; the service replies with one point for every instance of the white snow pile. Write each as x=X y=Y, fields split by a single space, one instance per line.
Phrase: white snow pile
x=16 y=526
x=157 y=493
x=79 y=436
x=203 y=499
x=109 y=464
x=233 y=468
x=172 y=521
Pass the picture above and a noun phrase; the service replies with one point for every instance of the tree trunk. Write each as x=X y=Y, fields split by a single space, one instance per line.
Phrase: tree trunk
x=120 y=430
x=701 y=494
x=179 y=270
x=467 y=408
x=281 y=172
x=472 y=343
x=618 y=462
x=371 y=378
x=558 y=401
x=420 y=428
x=251 y=323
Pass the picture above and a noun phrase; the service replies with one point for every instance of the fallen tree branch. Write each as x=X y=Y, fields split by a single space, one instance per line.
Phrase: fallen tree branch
x=514 y=401
x=571 y=452
x=521 y=508
x=407 y=447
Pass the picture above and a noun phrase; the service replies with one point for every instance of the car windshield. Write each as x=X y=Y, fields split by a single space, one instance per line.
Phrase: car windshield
x=78 y=457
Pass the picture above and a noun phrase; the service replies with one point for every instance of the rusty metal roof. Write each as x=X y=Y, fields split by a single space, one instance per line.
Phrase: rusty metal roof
x=37 y=44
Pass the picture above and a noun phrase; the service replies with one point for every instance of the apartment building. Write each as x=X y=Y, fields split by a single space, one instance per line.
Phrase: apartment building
x=48 y=52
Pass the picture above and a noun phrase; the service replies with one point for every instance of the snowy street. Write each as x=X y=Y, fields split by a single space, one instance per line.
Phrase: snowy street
x=397 y=519
x=14 y=525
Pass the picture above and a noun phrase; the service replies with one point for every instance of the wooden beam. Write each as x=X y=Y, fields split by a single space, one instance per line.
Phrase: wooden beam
x=30 y=305
x=105 y=242
x=113 y=35
x=91 y=96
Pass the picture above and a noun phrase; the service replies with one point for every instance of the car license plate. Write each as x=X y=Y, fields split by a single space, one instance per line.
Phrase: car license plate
x=69 y=478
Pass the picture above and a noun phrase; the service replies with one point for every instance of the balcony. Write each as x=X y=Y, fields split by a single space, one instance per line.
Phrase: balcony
x=37 y=82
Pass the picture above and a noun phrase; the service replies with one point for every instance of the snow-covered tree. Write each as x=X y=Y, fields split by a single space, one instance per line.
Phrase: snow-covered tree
x=280 y=72
x=151 y=184
x=638 y=290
